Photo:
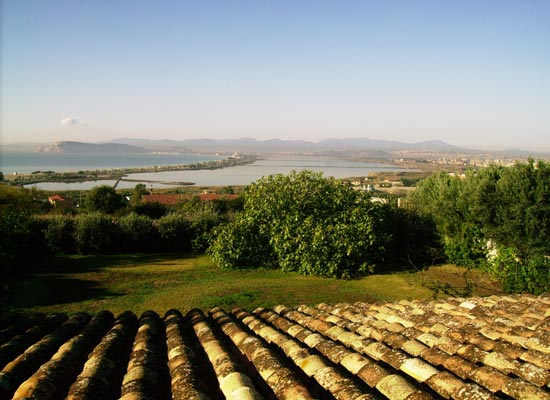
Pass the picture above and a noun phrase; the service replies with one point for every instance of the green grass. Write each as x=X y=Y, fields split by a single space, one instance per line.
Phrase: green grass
x=140 y=282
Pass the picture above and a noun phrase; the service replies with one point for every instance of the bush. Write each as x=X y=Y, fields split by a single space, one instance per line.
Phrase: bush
x=531 y=274
x=59 y=233
x=153 y=210
x=224 y=205
x=17 y=240
x=305 y=223
x=239 y=245
x=175 y=232
x=95 y=233
x=532 y=277
x=202 y=224
x=508 y=207
x=137 y=233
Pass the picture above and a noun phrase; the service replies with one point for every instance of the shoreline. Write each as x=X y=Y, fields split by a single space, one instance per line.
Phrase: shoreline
x=214 y=173
x=119 y=174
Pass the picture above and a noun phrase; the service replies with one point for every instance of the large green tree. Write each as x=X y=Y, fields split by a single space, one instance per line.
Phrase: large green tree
x=20 y=199
x=104 y=199
x=19 y=234
x=307 y=223
x=453 y=202
x=496 y=217
x=522 y=208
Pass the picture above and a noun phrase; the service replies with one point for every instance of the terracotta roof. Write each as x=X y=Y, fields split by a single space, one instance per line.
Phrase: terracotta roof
x=216 y=196
x=475 y=348
x=166 y=199
x=56 y=197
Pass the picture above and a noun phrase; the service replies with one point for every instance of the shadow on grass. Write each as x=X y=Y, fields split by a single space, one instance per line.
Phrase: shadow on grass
x=56 y=280
x=51 y=290
x=75 y=264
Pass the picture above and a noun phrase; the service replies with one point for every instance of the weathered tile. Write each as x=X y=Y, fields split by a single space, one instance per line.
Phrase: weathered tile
x=475 y=348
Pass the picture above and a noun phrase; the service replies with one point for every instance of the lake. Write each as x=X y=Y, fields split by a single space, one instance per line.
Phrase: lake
x=238 y=175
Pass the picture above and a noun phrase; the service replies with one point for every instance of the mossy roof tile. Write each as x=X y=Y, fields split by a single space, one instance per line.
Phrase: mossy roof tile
x=464 y=348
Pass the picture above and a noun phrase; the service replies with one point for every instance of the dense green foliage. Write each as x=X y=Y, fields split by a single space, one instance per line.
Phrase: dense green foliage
x=240 y=245
x=16 y=242
x=306 y=223
x=59 y=233
x=152 y=210
x=497 y=218
x=175 y=232
x=203 y=221
x=137 y=233
x=26 y=200
x=95 y=233
x=19 y=235
x=30 y=227
x=104 y=199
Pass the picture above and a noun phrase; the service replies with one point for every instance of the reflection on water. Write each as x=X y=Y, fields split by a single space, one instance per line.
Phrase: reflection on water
x=239 y=175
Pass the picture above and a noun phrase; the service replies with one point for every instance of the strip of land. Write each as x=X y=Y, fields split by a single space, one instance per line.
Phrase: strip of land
x=118 y=174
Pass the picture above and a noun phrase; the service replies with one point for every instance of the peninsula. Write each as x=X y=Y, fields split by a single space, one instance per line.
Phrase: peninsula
x=81 y=147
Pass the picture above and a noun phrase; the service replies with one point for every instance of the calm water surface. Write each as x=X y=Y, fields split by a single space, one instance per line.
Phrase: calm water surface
x=27 y=162
x=246 y=174
x=239 y=175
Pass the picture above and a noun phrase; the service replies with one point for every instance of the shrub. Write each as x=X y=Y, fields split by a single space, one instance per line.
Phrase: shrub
x=153 y=210
x=95 y=233
x=59 y=233
x=16 y=240
x=530 y=274
x=508 y=207
x=202 y=223
x=311 y=224
x=224 y=205
x=239 y=245
x=175 y=232
x=137 y=233
x=413 y=238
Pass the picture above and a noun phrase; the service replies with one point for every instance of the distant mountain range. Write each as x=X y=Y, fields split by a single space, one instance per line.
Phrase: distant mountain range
x=352 y=147
x=249 y=145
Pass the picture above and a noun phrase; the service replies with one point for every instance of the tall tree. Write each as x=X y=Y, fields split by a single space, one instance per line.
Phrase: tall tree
x=522 y=209
x=104 y=199
x=508 y=208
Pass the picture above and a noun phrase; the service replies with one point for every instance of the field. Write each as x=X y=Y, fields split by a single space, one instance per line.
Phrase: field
x=140 y=282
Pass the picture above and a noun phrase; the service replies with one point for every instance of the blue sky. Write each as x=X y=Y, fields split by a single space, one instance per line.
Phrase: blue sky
x=472 y=73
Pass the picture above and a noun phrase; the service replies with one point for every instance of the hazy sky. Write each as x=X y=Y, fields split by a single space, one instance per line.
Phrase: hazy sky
x=473 y=73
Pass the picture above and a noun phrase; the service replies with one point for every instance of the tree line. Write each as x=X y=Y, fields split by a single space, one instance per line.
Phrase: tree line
x=496 y=218
x=106 y=223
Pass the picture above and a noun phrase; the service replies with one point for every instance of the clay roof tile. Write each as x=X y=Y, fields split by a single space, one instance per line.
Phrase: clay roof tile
x=465 y=348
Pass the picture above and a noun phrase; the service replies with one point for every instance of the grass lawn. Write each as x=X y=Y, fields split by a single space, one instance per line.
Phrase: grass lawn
x=140 y=282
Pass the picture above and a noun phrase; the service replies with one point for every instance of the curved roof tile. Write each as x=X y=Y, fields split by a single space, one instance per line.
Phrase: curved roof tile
x=496 y=347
